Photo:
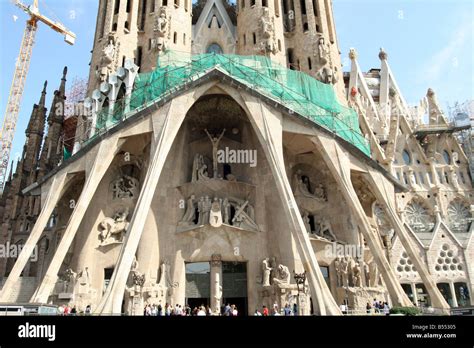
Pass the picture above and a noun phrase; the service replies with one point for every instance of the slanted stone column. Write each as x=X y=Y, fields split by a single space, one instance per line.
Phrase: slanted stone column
x=166 y=124
x=103 y=157
x=381 y=191
x=216 y=283
x=268 y=127
x=53 y=195
x=338 y=163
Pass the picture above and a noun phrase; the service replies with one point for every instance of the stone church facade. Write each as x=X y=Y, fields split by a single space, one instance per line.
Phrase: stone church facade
x=223 y=153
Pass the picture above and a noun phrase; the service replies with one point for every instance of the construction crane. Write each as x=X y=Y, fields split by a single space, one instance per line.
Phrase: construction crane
x=19 y=78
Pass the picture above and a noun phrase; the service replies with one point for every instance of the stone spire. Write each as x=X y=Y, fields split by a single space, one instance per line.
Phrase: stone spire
x=37 y=118
x=51 y=153
x=62 y=87
x=435 y=113
x=43 y=94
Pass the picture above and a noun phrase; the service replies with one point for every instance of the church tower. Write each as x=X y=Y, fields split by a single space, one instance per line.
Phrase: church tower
x=260 y=29
x=138 y=30
x=52 y=152
x=311 y=42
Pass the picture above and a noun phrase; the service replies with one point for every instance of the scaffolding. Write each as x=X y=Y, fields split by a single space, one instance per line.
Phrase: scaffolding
x=462 y=116
x=297 y=91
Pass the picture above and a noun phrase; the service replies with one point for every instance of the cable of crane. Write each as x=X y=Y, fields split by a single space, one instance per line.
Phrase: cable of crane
x=51 y=12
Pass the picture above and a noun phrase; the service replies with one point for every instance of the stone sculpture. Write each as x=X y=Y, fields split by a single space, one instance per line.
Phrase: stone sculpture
x=161 y=29
x=345 y=270
x=324 y=230
x=283 y=275
x=226 y=210
x=215 y=144
x=190 y=213
x=302 y=187
x=113 y=229
x=108 y=60
x=266 y=271
x=125 y=187
x=356 y=275
x=268 y=32
x=215 y=218
x=338 y=268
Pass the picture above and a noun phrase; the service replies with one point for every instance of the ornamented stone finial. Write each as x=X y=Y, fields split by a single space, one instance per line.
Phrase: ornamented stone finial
x=382 y=54
x=430 y=93
x=352 y=54
x=64 y=72
x=353 y=92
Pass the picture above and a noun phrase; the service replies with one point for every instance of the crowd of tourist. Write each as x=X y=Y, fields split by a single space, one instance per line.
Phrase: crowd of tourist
x=286 y=311
x=178 y=310
x=68 y=310
x=378 y=307
x=228 y=310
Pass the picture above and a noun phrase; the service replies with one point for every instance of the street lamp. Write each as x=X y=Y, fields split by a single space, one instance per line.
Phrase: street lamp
x=300 y=279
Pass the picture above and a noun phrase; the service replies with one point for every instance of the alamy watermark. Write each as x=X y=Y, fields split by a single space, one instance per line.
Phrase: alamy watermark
x=237 y=156
x=13 y=251
x=344 y=250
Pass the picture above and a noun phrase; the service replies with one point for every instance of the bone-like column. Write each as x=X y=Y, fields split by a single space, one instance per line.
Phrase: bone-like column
x=338 y=163
x=166 y=126
x=216 y=283
x=103 y=158
x=54 y=194
x=270 y=137
x=381 y=192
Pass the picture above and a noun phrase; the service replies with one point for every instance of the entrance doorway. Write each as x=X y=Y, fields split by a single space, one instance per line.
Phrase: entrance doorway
x=198 y=280
x=234 y=284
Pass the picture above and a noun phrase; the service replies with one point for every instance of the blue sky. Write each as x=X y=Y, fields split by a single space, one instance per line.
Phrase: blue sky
x=429 y=42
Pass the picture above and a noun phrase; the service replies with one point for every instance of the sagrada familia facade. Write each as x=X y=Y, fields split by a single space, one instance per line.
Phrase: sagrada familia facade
x=223 y=156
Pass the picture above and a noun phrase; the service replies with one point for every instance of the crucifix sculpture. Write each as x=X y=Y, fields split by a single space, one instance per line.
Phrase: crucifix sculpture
x=215 y=143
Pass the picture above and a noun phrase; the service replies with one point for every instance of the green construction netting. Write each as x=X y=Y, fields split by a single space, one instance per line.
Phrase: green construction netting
x=297 y=91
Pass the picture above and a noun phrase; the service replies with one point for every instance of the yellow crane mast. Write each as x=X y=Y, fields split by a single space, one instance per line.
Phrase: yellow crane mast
x=19 y=78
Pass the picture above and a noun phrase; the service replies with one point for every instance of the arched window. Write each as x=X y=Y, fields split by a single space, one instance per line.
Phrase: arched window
x=447 y=157
x=214 y=48
x=406 y=157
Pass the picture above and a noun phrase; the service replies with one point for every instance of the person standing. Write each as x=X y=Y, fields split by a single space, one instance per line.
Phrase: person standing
x=295 y=309
x=265 y=311
x=227 y=310
x=201 y=312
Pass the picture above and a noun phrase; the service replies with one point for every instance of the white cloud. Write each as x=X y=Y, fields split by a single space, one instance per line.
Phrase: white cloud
x=447 y=57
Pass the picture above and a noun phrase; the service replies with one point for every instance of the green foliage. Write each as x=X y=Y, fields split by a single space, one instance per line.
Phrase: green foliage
x=410 y=311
